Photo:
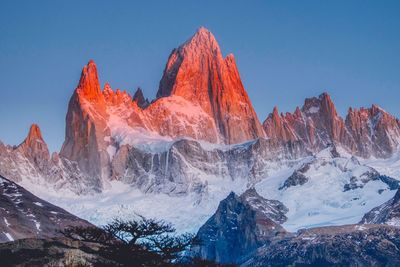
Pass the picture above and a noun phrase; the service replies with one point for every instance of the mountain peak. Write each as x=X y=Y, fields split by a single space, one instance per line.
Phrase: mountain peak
x=202 y=39
x=34 y=146
x=197 y=72
x=34 y=133
x=89 y=84
x=138 y=97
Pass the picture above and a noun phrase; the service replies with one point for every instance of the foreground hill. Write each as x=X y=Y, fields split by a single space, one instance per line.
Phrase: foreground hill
x=23 y=215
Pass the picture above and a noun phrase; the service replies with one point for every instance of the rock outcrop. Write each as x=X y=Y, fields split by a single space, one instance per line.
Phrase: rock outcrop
x=239 y=226
x=387 y=213
x=138 y=97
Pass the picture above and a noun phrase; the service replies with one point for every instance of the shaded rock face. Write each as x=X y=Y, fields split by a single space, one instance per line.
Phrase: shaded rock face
x=182 y=167
x=197 y=72
x=240 y=225
x=298 y=177
x=365 y=132
x=387 y=213
x=349 y=245
x=138 y=97
x=26 y=216
x=30 y=163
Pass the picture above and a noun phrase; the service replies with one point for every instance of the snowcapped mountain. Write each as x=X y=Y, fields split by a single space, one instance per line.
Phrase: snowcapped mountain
x=177 y=156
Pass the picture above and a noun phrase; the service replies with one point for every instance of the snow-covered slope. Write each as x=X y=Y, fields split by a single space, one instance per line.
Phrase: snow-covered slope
x=324 y=199
x=332 y=190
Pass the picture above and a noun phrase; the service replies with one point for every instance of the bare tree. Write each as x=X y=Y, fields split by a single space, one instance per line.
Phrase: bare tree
x=143 y=242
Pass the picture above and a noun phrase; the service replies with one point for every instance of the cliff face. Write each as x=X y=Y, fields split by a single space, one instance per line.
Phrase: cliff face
x=239 y=226
x=86 y=125
x=375 y=132
x=387 y=213
x=198 y=72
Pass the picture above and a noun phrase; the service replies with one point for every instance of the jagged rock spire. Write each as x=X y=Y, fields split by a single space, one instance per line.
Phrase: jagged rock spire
x=89 y=84
x=34 y=147
x=138 y=97
x=197 y=72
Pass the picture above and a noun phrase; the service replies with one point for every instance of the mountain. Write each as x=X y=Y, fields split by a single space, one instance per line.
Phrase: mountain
x=364 y=132
x=26 y=216
x=199 y=140
x=387 y=213
x=239 y=226
x=247 y=230
x=198 y=72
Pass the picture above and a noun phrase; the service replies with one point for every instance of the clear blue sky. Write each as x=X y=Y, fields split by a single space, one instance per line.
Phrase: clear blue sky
x=285 y=50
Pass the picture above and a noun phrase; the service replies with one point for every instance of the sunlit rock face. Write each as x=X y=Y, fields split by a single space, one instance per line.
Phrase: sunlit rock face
x=198 y=72
x=204 y=101
x=86 y=124
x=35 y=148
x=375 y=132
x=364 y=132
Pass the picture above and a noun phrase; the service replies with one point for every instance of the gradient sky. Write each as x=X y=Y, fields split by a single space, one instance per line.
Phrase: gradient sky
x=285 y=51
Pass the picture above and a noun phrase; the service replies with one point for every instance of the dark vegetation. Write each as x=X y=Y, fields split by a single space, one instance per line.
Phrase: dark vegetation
x=143 y=242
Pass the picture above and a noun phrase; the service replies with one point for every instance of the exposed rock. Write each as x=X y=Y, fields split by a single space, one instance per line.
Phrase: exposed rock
x=376 y=132
x=34 y=147
x=366 y=132
x=197 y=72
x=30 y=163
x=297 y=178
x=387 y=213
x=181 y=168
x=138 y=97
x=350 y=245
x=86 y=127
x=25 y=215
x=240 y=225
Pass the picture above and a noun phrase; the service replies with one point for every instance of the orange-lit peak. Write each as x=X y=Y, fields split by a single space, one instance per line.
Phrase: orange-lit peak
x=34 y=132
x=89 y=84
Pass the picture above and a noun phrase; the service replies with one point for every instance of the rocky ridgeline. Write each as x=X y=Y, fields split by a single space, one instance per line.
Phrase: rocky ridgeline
x=201 y=123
